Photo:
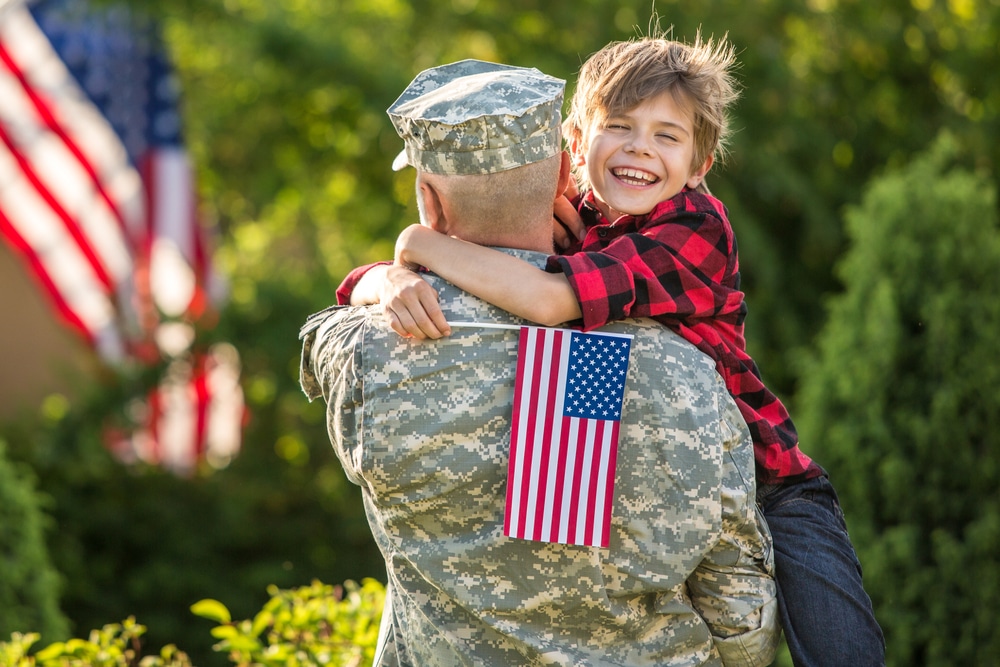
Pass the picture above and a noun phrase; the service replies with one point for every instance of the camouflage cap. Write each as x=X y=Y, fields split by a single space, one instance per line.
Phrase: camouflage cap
x=475 y=117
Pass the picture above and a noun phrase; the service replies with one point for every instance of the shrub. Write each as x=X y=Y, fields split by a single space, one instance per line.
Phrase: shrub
x=319 y=624
x=312 y=625
x=115 y=645
x=29 y=585
x=902 y=406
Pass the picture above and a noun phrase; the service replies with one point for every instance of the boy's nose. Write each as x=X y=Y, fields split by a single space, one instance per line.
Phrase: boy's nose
x=637 y=144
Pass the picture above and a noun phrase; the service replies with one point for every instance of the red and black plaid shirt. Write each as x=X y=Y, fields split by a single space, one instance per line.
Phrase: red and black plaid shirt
x=679 y=265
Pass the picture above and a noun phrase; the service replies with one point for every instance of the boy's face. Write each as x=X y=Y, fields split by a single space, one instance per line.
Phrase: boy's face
x=641 y=157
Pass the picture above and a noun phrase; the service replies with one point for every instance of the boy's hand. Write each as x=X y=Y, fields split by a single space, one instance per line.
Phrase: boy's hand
x=567 y=225
x=412 y=305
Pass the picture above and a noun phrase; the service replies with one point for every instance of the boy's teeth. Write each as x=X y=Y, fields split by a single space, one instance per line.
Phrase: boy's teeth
x=634 y=175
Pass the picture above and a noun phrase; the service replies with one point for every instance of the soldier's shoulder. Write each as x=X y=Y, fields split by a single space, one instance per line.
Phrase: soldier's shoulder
x=649 y=335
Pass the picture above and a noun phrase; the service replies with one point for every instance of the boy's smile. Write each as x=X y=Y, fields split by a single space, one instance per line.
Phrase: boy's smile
x=641 y=157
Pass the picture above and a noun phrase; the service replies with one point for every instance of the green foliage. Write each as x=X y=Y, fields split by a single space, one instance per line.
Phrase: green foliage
x=902 y=405
x=834 y=91
x=114 y=645
x=306 y=627
x=29 y=585
x=310 y=626
x=15 y=653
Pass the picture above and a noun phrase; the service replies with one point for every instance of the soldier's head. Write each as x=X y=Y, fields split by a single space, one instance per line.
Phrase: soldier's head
x=486 y=142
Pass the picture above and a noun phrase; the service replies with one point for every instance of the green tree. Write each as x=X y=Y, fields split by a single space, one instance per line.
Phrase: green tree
x=835 y=90
x=29 y=585
x=902 y=404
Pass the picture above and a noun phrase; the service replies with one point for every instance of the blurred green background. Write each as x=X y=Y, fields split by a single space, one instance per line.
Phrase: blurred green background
x=862 y=188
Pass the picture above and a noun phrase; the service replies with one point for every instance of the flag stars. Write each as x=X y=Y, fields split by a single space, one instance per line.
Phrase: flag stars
x=595 y=382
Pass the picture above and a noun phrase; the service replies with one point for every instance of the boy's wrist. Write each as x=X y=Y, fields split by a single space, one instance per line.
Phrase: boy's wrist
x=404 y=247
x=368 y=287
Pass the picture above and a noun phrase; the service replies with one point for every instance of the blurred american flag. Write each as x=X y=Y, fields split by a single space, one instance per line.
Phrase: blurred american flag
x=97 y=196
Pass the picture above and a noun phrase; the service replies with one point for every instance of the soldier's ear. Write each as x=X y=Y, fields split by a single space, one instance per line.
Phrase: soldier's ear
x=565 y=173
x=431 y=211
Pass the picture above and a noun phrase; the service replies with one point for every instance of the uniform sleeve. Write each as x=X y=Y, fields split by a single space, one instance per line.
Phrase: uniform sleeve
x=734 y=589
x=330 y=368
x=685 y=266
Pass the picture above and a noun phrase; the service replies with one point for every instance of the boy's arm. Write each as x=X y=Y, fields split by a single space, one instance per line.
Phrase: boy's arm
x=505 y=281
x=685 y=268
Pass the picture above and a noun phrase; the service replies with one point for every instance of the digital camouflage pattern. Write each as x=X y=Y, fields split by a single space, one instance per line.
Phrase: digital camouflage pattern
x=475 y=117
x=423 y=428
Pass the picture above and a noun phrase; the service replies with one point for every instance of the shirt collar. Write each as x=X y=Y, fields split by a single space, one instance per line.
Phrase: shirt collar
x=592 y=215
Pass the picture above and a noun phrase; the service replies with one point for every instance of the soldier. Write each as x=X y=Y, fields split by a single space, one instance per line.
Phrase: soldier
x=424 y=429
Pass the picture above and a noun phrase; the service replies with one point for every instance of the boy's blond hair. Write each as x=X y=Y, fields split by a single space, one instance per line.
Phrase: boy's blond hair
x=622 y=75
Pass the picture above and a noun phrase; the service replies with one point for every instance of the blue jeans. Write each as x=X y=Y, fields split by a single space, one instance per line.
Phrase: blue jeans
x=825 y=613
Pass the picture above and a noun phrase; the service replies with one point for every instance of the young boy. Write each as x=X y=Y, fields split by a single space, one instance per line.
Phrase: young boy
x=646 y=122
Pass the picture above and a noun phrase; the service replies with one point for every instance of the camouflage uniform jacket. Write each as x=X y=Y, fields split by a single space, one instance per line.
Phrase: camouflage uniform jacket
x=423 y=428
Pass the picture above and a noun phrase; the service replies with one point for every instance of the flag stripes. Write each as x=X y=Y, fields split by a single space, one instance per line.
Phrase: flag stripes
x=97 y=196
x=57 y=212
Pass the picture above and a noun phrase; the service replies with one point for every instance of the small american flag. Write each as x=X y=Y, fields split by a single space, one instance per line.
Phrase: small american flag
x=564 y=439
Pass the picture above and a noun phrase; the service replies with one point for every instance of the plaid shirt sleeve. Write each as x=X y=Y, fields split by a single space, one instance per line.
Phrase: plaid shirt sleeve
x=680 y=261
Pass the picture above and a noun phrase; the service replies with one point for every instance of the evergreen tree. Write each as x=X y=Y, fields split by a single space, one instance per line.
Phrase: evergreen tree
x=28 y=583
x=902 y=405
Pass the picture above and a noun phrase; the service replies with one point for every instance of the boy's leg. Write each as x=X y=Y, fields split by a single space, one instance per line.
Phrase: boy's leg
x=825 y=613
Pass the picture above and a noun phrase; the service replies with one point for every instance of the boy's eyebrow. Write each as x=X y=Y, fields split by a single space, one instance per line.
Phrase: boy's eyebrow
x=670 y=123
x=674 y=126
x=626 y=116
